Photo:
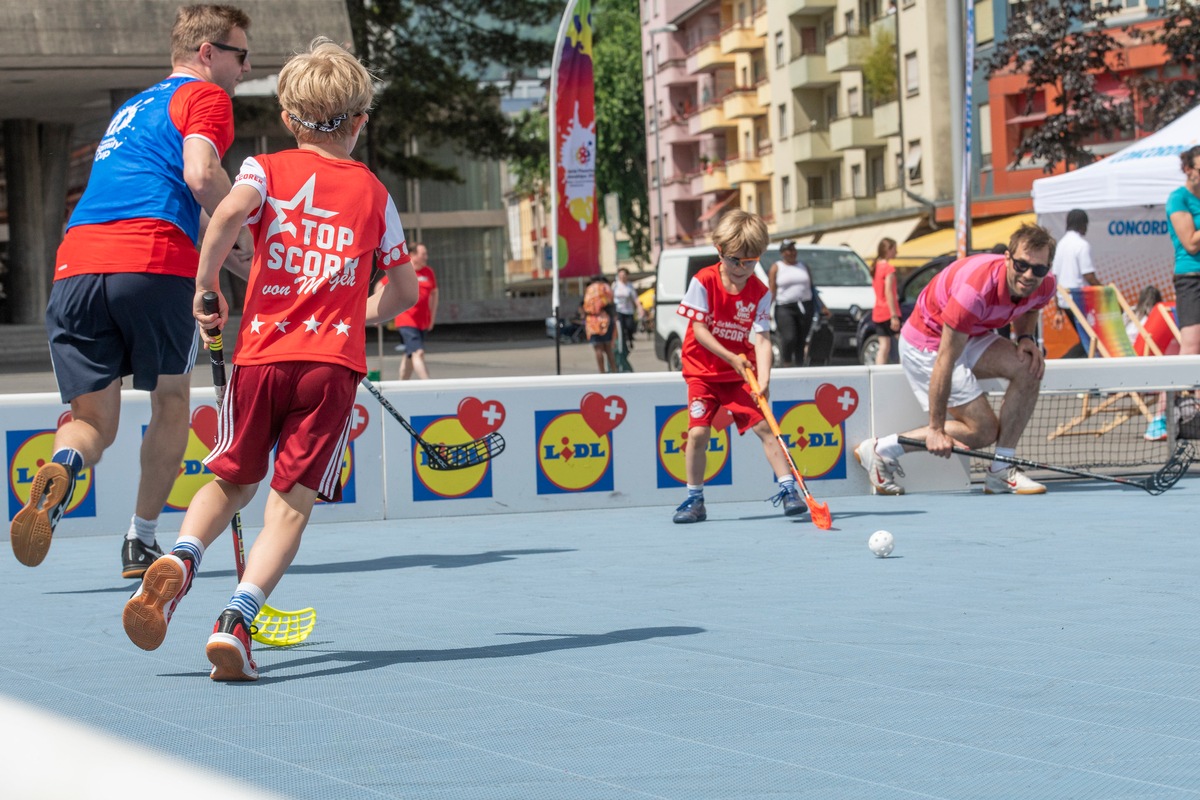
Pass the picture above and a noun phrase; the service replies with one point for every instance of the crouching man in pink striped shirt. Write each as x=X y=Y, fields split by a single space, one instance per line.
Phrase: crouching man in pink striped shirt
x=950 y=343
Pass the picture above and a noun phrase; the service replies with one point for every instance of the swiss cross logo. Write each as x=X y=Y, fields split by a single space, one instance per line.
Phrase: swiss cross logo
x=359 y=420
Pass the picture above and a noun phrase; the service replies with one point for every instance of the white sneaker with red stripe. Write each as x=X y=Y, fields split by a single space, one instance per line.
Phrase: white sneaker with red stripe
x=1011 y=481
x=229 y=649
x=148 y=612
x=881 y=472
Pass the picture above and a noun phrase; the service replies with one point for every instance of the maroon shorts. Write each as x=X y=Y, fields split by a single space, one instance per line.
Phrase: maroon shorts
x=303 y=409
x=704 y=399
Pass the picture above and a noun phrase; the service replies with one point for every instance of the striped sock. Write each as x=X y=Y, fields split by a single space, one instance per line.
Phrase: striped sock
x=788 y=483
x=190 y=546
x=696 y=491
x=71 y=459
x=247 y=599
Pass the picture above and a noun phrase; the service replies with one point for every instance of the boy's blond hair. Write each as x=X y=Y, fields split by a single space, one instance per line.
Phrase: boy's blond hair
x=195 y=25
x=321 y=89
x=740 y=232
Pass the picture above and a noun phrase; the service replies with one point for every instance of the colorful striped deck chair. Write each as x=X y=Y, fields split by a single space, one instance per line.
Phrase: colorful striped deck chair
x=1100 y=316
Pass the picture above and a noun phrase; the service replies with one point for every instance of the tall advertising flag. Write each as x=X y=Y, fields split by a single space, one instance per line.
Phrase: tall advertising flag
x=573 y=148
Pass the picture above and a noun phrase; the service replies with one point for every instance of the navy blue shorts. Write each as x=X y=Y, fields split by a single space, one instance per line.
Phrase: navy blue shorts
x=414 y=339
x=104 y=327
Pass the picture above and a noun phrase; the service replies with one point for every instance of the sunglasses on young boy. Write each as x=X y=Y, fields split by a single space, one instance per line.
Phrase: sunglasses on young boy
x=744 y=262
x=1022 y=266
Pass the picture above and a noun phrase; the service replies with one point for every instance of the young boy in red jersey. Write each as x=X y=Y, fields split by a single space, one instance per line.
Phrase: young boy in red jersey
x=317 y=217
x=729 y=310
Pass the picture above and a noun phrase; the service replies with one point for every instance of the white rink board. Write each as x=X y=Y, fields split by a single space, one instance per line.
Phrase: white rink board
x=545 y=418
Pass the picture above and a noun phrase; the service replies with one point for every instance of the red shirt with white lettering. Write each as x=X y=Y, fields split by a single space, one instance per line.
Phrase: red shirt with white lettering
x=320 y=222
x=731 y=318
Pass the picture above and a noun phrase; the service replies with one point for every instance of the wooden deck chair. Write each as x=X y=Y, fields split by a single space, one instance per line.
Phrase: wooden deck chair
x=1161 y=334
x=1100 y=315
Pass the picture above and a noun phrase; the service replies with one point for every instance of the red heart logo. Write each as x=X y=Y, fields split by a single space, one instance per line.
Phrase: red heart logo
x=480 y=417
x=359 y=419
x=722 y=419
x=836 y=403
x=64 y=418
x=204 y=423
x=601 y=413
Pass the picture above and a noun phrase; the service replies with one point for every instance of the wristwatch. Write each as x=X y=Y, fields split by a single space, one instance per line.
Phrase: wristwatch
x=1028 y=336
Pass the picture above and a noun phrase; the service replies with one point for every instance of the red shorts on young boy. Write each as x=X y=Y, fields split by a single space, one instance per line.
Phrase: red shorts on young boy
x=705 y=399
x=302 y=408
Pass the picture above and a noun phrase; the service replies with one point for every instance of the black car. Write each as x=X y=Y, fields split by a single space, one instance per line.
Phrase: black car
x=910 y=288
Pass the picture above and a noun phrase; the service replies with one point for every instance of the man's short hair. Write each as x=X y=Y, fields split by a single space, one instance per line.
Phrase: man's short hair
x=195 y=25
x=741 y=232
x=1034 y=237
x=1077 y=220
x=322 y=89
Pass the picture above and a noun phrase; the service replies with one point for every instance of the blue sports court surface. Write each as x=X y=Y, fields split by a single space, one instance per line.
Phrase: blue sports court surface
x=1011 y=647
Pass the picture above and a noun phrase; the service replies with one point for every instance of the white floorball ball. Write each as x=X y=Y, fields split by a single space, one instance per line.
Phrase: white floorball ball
x=881 y=543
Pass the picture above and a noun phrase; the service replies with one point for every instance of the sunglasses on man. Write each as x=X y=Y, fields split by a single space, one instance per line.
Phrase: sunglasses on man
x=1022 y=266
x=240 y=52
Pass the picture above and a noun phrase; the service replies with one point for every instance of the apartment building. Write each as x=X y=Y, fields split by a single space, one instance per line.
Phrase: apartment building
x=764 y=106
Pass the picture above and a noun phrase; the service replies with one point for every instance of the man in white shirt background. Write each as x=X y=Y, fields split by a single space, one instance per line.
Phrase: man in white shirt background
x=1073 y=266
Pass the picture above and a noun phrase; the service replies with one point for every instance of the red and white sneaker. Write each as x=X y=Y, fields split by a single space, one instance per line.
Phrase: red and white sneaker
x=148 y=612
x=881 y=472
x=229 y=649
x=1011 y=481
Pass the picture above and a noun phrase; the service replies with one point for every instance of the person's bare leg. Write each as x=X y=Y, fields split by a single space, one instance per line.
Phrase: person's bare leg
x=406 y=367
x=1001 y=361
x=885 y=350
x=212 y=508
x=284 y=520
x=1189 y=340
x=93 y=425
x=695 y=460
x=974 y=424
x=598 y=351
x=163 y=444
x=418 y=365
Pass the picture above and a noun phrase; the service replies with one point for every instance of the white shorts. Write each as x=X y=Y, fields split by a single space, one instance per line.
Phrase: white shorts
x=964 y=387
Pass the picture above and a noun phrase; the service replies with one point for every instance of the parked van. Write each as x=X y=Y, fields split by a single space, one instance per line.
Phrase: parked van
x=842 y=278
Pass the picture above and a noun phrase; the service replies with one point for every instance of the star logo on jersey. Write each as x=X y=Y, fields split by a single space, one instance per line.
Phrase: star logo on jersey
x=256 y=324
x=342 y=328
x=282 y=325
x=281 y=223
x=312 y=324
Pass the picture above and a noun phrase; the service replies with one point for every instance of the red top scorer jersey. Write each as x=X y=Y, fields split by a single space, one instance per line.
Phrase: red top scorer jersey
x=319 y=225
x=731 y=318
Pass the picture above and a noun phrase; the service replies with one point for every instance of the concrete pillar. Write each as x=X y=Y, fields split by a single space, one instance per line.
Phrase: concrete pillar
x=27 y=282
x=55 y=141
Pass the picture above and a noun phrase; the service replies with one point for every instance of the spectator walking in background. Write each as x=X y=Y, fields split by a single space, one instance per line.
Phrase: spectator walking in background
x=949 y=344
x=121 y=303
x=626 y=301
x=415 y=323
x=1073 y=267
x=1183 y=212
x=791 y=284
x=599 y=313
x=886 y=314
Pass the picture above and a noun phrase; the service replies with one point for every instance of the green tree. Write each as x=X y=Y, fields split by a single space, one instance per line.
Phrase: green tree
x=434 y=58
x=1065 y=45
x=879 y=69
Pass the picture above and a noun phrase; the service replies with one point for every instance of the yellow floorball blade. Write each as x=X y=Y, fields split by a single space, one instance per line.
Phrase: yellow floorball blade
x=282 y=628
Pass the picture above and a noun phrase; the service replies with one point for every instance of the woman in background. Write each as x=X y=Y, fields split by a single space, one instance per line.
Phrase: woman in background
x=886 y=314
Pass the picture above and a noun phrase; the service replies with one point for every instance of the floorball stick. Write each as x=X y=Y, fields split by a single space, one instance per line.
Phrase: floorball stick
x=271 y=626
x=819 y=511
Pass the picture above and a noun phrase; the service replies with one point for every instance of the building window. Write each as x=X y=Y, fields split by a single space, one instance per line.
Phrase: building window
x=850 y=29
x=779 y=57
x=985 y=24
x=912 y=74
x=856 y=180
x=835 y=183
x=912 y=161
x=831 y=107
x=785 y=193
x=875 y=175
x=783 y=124
x=985 y=134
x=853 y=102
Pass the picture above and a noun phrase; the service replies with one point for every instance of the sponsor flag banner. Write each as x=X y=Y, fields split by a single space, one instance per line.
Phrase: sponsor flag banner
x=574 y=108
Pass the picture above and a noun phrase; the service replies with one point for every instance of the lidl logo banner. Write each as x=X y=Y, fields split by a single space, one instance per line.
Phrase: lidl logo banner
x=814 y=431
x=28 y=451
x=671 y=422
x=475 y=419
x=574 y=448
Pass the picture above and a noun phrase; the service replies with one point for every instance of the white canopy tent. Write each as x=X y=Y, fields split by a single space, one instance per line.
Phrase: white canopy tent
x=1124 y=197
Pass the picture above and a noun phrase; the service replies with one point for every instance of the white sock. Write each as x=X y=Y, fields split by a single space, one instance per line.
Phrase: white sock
x=889 y=446
x=143 y=529
x=1007 y=452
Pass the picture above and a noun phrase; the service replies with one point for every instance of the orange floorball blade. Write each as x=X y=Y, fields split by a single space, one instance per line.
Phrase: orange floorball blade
x=819 y=513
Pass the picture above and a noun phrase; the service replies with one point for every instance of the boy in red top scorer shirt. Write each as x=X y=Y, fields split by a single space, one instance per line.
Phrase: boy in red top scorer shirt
x=317 y=217
x=729 y=313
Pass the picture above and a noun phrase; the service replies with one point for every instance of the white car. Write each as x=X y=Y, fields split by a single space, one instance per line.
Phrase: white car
x=842 y=278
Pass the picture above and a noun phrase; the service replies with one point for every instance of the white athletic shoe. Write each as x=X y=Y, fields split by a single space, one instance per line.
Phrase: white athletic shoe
x=881 y=472
x=1011 y=481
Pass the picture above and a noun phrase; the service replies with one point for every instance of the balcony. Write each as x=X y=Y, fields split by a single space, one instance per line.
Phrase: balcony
x=677 y=188
x=818 y=212
x=889 y=199
x=675 y=131
x=764 y=92
x=674 y=73
x=760 y=21
x=810 y=70
x=850 y=207
x=714 y=179
x=811 y=8
x=742 y=103
x=710 y=119
x=848 y=133
x=847 y=52
x=708 y=57
x=766 y=161
x=887 y=119
x=812 y=145
x=744 y=170
x=740 y=38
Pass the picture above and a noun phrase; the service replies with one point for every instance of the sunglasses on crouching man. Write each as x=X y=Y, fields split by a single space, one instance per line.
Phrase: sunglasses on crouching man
x=1022 y=266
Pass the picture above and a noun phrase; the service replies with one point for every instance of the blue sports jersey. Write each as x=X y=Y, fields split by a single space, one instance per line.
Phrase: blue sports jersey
x=138 y=169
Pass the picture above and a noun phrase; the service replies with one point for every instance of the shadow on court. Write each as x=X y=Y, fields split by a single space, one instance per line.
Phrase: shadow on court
x=364 y=660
